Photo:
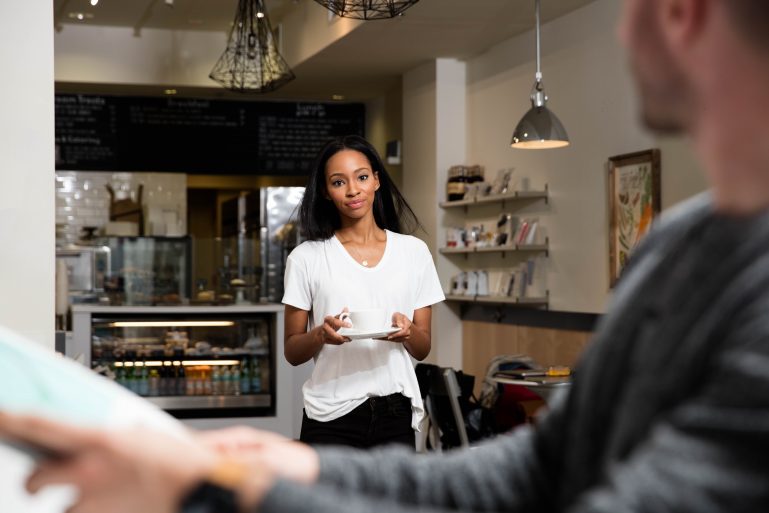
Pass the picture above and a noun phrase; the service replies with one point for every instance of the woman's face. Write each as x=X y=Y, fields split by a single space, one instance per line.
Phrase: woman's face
x=351 y=184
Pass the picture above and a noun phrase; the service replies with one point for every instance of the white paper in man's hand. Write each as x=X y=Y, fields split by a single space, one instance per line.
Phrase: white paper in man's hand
x=36 y=381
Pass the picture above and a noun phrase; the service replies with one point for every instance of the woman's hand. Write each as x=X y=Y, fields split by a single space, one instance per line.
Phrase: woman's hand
x=301 y=345
x=414 y=335
x=327 y=332
x=404 y=323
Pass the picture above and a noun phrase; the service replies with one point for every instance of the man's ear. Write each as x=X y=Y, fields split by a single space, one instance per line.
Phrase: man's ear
x=683 y=21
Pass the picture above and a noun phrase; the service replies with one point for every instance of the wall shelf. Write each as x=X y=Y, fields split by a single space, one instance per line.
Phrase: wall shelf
x=500 y=303
x=501 y=300
x=497 y=198
x=496 y=249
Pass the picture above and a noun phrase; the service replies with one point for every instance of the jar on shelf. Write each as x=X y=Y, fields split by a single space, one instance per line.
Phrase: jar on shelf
x=457 y=183
x=474 y=174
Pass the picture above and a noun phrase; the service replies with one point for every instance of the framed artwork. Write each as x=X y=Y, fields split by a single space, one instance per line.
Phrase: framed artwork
x=634 y=200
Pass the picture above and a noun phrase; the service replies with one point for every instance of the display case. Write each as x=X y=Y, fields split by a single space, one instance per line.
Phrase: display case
x=192 y=361
x=147 y=270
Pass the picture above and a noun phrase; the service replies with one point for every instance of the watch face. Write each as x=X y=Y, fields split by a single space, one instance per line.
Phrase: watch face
x=210 y=498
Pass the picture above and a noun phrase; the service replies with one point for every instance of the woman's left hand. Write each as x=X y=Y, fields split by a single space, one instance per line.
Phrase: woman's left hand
x=404 y=323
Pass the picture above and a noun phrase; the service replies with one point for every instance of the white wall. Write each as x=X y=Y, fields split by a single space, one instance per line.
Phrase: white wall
x=154 y=57
x=26 y=170
x=591 y=91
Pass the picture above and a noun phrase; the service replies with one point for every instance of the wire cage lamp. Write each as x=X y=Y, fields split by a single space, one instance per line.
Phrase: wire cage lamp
x=367 y=9
x=539 y=128
x=251 y=62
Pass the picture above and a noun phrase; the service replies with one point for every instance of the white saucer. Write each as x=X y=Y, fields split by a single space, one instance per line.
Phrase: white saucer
x=354 y=334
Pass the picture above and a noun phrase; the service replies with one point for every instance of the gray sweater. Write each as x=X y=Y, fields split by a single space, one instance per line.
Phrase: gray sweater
x=668 y=412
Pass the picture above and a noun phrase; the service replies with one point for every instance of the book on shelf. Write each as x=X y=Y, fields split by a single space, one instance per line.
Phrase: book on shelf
x=531 y=234
x=520 y=233
x=536 y=286
x=527 y=232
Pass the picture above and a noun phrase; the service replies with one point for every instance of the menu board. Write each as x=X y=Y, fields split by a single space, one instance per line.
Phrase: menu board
x=186 y=135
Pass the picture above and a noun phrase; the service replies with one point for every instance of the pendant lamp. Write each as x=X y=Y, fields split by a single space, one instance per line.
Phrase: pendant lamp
x=367 y=9
x=539 y=128
x=251 y=62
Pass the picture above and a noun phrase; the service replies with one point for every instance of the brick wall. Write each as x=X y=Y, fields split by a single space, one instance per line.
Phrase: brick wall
x=82 y=200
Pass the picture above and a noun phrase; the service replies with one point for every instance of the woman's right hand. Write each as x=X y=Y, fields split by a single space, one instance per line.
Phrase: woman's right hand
x=327 y=332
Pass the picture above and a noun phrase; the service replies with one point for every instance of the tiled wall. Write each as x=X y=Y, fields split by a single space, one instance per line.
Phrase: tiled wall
x=82 y=200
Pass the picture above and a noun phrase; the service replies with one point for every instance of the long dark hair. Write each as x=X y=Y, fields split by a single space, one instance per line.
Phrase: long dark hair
x=319 y=218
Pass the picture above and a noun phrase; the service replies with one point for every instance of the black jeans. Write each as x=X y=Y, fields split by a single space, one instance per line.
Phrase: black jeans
x=378 y=421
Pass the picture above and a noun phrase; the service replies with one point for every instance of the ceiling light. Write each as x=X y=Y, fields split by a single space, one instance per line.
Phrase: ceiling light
x=94 y=2
x=251 y=62
x=367 y=9
x=539 y=128
x=337 y=97
x=169 y=91
x=80 y=16
x=260 y=14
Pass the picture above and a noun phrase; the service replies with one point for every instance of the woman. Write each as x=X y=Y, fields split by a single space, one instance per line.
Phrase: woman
x=362 y=392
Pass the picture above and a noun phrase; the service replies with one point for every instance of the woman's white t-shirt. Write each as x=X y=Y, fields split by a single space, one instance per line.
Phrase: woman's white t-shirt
x=322 y=278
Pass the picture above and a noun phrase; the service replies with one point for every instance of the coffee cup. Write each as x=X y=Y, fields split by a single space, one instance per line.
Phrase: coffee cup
x=366 y=320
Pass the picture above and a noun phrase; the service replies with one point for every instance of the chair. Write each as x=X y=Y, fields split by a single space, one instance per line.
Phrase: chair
x=446 y=403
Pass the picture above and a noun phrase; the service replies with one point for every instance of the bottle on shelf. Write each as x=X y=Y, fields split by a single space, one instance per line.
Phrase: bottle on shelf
x=120 y=375
x=226 y=381
x=216 y=380
x=154 y=383
x=245 y=377
x=255 y=377
x=207 y=382
x=235 y=376
x=194 y=384
x=181 y=380
x=167 y=379
x=143 y=387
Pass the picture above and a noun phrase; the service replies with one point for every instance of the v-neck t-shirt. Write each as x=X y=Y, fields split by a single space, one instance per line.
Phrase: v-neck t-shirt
x=323 y=278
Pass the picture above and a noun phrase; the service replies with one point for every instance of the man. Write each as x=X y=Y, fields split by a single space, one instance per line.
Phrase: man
x=669 y=410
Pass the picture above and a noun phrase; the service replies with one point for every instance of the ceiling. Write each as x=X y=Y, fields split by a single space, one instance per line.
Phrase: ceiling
x=363 y=64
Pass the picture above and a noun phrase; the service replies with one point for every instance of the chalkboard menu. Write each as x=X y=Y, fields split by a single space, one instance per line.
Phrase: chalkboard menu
x=119 y=133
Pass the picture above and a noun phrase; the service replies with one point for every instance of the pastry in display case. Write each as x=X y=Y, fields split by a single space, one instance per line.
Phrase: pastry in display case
x=191 y=361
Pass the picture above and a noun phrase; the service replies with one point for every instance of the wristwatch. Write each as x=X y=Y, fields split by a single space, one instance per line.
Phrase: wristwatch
x=217 y=493
x=208 y=497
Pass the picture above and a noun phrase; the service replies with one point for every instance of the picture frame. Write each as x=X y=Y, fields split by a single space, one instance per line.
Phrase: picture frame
x=634 y=201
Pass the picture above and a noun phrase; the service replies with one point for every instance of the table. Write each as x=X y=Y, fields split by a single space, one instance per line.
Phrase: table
x=546 y=387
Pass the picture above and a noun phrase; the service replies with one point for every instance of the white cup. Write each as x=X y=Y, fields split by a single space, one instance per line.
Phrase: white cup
x=366 y=320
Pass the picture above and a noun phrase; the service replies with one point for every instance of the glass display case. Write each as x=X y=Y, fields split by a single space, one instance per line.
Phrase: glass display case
x=192 y=361
x=147 y=270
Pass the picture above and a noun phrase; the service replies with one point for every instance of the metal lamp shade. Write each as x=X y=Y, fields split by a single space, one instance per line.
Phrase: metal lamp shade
x=367 y=9
x=539 y=129
x=251 y=62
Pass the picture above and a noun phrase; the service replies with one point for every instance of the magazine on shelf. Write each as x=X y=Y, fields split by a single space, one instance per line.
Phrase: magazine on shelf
x=40 y=382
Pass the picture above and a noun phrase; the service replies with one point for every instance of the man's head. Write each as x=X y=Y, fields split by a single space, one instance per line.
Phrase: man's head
x=680 y=49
